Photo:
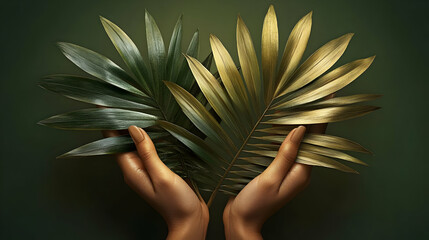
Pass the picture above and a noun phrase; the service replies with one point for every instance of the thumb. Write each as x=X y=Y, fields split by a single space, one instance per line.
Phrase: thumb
x=286 y=155
x=147 y=152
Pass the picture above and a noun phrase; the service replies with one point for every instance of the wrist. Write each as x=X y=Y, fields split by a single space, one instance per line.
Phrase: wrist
x=238 y=232
x=193 y=228
x=239 y=228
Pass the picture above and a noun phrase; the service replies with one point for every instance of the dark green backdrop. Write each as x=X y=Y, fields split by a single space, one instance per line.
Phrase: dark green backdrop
x=45 y=198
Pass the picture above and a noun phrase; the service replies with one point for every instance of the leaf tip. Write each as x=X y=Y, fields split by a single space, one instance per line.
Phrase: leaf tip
x=167 y=83
x=42 y=122
x=213 y=39
x=187 y=57
x=65 y=46
x=61 y=44
x=349 y=36
x=271 y=13
x=366 y=62
x=147 y=15
x=41 y=84
x=62 y=156
x=367 y=151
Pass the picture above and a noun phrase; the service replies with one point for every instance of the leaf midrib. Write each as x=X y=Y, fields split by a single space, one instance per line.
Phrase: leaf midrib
x=231 y=164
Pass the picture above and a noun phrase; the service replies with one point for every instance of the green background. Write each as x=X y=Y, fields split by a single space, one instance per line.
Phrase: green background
x=45 y=198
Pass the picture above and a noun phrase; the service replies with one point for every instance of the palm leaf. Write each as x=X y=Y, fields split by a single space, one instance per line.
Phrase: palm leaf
x=248 y=107
x=100 y=119
x=224 y=128
x=129 y=53
x=270 y=49
x=98 y=66
x=105 y=146
x=139 y=98
x=95 y=92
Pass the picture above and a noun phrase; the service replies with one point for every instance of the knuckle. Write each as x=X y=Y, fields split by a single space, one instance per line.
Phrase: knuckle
x=287 y=158
x=287 y=152
x=144 y=153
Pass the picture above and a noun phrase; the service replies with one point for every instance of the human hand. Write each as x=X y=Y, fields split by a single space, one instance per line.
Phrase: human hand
x=245 y=213
x=185 y=213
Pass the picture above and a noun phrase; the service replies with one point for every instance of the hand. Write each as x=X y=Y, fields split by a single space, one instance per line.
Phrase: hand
x=187 y=215
x=245 y=214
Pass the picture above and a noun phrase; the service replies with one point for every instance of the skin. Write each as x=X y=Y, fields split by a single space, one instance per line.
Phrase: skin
x=245 y=214
x=186 y=213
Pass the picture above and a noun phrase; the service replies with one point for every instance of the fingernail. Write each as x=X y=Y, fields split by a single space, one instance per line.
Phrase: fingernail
x=136 y=134
x=298 y=134
x=289 y=136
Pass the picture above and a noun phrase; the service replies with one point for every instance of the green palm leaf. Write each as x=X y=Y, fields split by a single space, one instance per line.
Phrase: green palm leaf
x=136 y=98
x=98 y=66
x=130 y=54
x=100 y=119
x=95 y=92
x=249 y=106
x=105 y=146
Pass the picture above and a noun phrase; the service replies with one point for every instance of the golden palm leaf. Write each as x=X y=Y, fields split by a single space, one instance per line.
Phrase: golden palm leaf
x=256 y=108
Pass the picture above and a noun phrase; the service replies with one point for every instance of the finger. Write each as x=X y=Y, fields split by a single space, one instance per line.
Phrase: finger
x=227 y=208
x=130 y=163
x=299 y=174
x=295 y=181
x=286 y=155
x=226 y=217
x=135 y=175
x=148 y=155
x=230 y=201
x=332 y=95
